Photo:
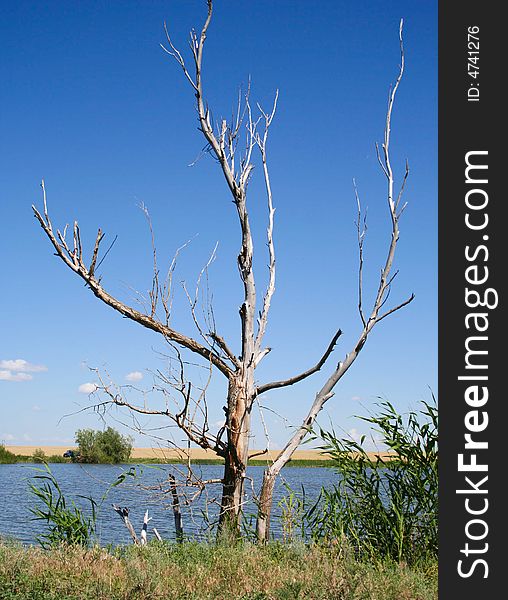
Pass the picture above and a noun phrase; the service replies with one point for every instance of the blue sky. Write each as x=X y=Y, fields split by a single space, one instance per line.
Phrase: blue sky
x=91 y=103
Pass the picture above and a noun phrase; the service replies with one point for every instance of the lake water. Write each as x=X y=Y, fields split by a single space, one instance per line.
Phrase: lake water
x=76 y=480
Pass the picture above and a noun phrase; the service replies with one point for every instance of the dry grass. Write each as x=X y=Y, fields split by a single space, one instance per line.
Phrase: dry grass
x=205 y=572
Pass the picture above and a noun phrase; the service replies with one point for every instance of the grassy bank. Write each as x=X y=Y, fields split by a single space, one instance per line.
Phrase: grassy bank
x=54 y=454
x=219 y=461
x=21 y=458
x=9 y=457
x=206 y=572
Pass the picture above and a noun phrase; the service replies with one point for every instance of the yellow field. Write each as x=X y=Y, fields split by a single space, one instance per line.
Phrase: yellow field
x=196 y=453
x=161 y=453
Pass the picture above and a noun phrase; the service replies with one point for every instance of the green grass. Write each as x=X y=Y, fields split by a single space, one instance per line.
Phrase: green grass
x=194 y=571
x=7 y=457
x=219 y=461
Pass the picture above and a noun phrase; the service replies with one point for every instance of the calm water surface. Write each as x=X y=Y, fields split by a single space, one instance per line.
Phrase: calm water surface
x=75 y=480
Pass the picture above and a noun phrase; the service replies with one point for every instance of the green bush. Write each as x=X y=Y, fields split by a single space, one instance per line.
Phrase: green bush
x=388 y=506
x=6 y=457
x=108 y=446
x=39 y=456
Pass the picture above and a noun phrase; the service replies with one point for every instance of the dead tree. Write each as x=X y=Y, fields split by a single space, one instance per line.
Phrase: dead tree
x=176 y=510
x=233 y=144
x=123 y=512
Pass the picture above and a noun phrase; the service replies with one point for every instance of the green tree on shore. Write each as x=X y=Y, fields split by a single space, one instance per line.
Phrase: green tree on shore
x=108 y=446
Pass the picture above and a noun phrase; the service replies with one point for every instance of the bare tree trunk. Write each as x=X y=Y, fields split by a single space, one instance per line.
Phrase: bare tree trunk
x=176 y=510
x=232 y=495
x=265 y=505
x=124 y=515
x=238 y=426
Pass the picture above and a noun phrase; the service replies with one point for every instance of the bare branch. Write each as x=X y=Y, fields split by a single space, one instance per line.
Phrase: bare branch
x=95 y=254
x=261 y=354
x=265 y=428
x=166 y=293
x=154 y=293
x=193 y=433
x=224 y=347
x=75 y=262
x=396 y=308
x=285 y=382
x=361 y=232
x=177 y=56
x=45 y=204
x=385 y=273
x=401 y=191
x=260 y=453
x=380 y=161
x=107 y=252
x=263 y=319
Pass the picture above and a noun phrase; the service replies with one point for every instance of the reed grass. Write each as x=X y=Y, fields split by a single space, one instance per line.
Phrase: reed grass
x=384 y=509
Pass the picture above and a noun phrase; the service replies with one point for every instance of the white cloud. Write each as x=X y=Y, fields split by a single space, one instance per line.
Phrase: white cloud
x=18 y=370
x=355 y=435
x=134 y=376
x=356 y=398
x=372 y=442
x=87 y=388
x=36 y=408
x=8 y=437
x=10 y=376
x=21 y=366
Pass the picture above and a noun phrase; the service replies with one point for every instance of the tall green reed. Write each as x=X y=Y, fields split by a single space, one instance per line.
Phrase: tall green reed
x=67 y=523
x=384 y=506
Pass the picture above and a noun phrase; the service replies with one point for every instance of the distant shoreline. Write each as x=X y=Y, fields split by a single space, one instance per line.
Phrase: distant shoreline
x=196 y=454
